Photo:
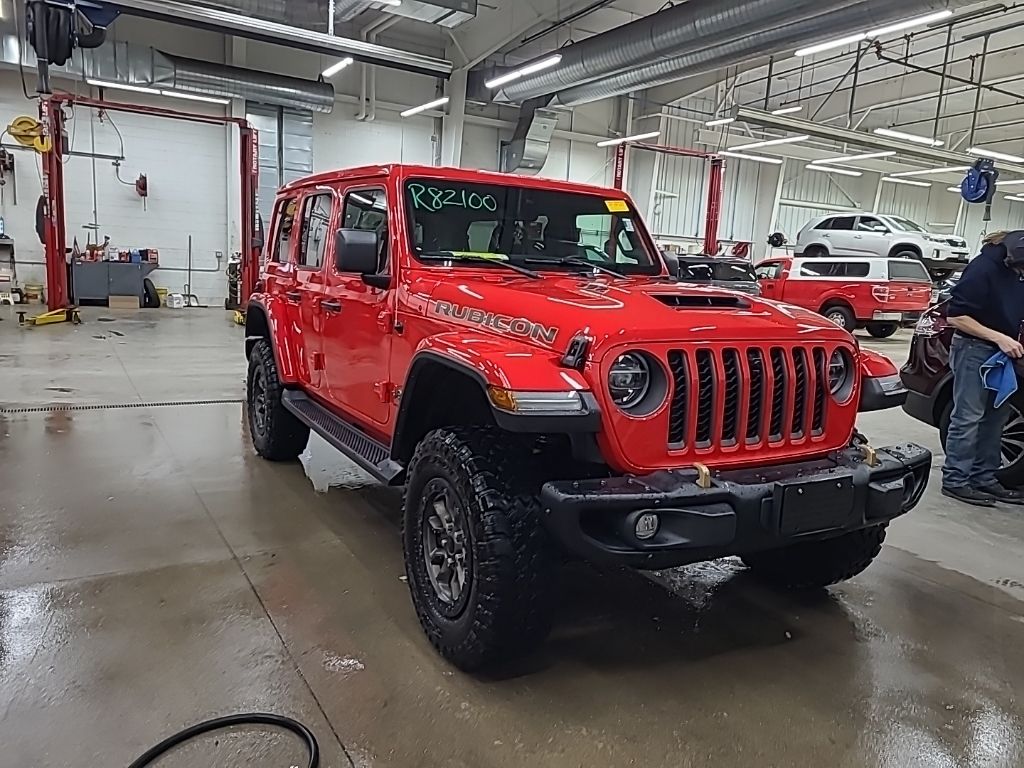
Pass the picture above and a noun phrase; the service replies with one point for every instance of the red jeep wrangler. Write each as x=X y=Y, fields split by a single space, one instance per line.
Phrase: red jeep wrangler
x=514 y=351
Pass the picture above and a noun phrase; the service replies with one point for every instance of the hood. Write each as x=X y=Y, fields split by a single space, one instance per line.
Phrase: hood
x=549 y=312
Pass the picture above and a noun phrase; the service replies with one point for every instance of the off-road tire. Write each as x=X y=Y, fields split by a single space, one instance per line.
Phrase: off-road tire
x=882 y=330
x=506 y=611
x=818 y=564
x=278 y=435
x=838 y=311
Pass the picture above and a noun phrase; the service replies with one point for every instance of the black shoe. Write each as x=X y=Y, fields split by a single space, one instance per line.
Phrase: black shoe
x=970 y=496
x=1002 y=494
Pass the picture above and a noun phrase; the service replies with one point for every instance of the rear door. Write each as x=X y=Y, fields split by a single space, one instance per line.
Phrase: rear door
x=841 y=237
x=910 y=286
x=315 y=237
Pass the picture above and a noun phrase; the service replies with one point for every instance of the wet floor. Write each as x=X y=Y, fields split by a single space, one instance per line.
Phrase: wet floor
x=153 y=572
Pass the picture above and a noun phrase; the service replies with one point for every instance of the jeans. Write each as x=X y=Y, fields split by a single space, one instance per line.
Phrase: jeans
x=973 y=451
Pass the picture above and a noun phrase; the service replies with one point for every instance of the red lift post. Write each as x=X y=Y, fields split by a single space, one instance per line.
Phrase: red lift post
x=716 y=185
x=54 y=228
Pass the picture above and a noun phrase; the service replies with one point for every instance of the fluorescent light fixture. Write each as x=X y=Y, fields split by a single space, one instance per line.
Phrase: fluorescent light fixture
x=529 y=69
x=953 y=189
x=919 y=21
x=982 y=152
x=908 y=182
x=1015 y=198
x=828 y=46
x=360 y=199
x=771 y=143
x=755 y=158
x=787 y=110
x=852 y=158
x=424 y=107
x=908 y=137
x=123 y=87
x=195 y=97
x=925 y=172
x=826 y=169
x=393 y=3
x=720 y=121
x=625 y=139
x=337 y=67
x=1014 y=183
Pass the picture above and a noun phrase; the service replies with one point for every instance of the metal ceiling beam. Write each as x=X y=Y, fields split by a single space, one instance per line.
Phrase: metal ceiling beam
x=281 y=34
x=798 y=126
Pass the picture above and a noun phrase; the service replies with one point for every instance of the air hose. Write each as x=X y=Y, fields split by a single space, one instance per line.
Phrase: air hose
x=255 y=718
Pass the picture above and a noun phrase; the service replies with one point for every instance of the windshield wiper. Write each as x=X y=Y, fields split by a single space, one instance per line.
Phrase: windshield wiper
x=451 y=256
x=574 y=261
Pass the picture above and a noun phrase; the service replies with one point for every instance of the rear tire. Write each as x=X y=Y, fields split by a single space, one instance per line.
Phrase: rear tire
x=470 y=502
x=818 y=564
x=882 y=330
x=276 y=434
x=841 y=316
x=815 y=252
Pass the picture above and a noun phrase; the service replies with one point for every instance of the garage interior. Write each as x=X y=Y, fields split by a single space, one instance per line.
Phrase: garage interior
x=154 y=572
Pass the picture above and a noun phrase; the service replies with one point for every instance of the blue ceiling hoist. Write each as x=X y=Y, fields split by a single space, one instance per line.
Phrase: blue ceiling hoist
x=979 y=186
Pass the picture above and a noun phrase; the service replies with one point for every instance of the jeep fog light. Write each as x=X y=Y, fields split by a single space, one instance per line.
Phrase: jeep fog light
x=537 y=403
x=647 y=526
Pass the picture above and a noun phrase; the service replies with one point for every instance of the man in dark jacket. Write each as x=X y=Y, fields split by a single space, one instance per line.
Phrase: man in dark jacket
x=987 y=310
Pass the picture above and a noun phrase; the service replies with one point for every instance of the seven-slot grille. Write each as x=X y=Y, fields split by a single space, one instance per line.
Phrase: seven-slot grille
x=722 y=397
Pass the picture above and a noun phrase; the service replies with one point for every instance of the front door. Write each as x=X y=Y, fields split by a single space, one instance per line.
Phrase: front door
x=842 y=238
x=871 y=237
x=768 y=277
x=314 y=238
x=359 y=318
x=281 y=274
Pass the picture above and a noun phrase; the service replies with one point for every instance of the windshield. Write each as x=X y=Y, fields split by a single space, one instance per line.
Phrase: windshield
x=905 y=225
x=526 y=226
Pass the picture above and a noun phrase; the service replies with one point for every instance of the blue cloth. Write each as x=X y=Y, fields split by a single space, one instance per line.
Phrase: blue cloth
x=990 y=292
x=999 y=375
x=974 y=442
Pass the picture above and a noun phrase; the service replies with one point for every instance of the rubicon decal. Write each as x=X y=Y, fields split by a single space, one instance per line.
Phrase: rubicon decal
x=517 y=326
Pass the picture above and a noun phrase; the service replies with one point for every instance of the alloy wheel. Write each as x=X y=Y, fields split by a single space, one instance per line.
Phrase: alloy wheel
x=1013 y=439
x=446 y=545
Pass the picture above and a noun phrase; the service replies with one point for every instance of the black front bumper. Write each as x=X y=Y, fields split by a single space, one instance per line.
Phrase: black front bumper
x=743 y=511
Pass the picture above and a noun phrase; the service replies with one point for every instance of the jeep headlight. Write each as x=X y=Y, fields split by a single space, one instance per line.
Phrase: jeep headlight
x=629 y=380
x=840 y=375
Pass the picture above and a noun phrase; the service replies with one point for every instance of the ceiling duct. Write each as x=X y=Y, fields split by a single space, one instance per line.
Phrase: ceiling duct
x=129 y=64
x=444 y=13
x=531 y=141
x=736 y=48
x=308 y=14
x=245 y=24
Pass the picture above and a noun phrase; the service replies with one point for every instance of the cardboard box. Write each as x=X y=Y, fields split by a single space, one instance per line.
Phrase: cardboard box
x=124 y=302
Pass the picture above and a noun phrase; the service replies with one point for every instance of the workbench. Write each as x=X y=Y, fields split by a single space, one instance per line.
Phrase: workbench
x=94 y=281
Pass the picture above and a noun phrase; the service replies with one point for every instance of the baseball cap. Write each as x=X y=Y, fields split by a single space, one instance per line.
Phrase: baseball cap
x=1014 y=243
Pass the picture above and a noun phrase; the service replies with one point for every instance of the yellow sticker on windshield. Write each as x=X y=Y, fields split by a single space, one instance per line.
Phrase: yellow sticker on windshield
x=617 y=206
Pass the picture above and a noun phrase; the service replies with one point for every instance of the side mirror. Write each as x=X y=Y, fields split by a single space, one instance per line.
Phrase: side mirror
x=356 y=250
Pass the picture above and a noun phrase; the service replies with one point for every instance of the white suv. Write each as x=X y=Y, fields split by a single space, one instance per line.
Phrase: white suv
x=882 y=234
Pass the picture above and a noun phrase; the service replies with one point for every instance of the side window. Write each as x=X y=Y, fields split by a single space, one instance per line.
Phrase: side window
x=857 y=269
x=822 y=268
x=769 y=271
x=843 y=222
x=367 y=209
x=316 y=221
x=870 y=224
x=825 y=224
x=285 y=222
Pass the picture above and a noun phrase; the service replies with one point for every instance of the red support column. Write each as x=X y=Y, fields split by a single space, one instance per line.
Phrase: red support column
x=54 y=227
x=252 y=250
x=714 y=210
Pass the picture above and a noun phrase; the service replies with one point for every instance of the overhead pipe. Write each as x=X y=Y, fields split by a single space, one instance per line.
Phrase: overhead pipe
x=672 y=31
x=239 y=25
x=368 y=109
x=735 y=47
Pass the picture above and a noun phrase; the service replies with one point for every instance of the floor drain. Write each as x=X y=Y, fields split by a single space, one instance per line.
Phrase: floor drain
x=112 y=406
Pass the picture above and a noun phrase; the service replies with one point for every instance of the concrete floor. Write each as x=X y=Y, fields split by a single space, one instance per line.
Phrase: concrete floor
x=153 y=572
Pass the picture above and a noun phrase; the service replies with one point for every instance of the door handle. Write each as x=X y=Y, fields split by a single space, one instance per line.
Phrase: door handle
x=294 y=296
x=331 y=305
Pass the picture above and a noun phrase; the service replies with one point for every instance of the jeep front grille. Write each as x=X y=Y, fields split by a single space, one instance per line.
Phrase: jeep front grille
x=754 y=395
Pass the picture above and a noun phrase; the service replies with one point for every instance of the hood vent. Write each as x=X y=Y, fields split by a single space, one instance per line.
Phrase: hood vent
x=697 y=301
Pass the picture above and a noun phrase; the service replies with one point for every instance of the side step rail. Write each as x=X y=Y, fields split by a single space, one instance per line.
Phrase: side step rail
x=369 y=454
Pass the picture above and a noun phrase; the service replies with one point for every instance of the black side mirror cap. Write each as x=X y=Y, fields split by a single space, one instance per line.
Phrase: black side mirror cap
x=356 y=250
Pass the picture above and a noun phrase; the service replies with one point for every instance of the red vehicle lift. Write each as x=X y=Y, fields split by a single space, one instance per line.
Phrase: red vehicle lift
x=54 y=225
x=715 y=185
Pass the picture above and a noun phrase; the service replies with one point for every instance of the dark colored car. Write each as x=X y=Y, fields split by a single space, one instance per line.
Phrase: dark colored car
x=930 y=383
x=734 y=274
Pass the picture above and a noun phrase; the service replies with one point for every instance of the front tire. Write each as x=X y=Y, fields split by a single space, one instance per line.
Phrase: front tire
x=818 y=564
x=276 y=434
x=478 y=561
x=882 y=330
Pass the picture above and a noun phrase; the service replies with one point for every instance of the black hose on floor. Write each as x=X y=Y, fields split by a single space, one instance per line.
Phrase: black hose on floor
x=255 y=718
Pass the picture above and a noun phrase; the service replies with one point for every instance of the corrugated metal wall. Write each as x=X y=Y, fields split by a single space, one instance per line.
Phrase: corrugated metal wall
x=824 y=192
x=934 y=204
